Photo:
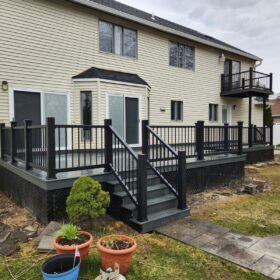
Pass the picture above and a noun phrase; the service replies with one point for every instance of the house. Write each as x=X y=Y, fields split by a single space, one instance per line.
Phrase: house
x=80 y=62
x=275 y=109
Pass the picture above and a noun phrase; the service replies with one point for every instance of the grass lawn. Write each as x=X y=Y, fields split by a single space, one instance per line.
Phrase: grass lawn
x=257 y=215
x=158 y=257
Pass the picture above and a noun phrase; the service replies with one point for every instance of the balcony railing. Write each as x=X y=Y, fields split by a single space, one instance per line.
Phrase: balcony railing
x=247 y=80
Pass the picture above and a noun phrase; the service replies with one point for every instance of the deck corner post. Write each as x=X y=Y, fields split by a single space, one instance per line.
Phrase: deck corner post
x=226 y=128
x=251 y=77
x=243 y=83
x=250 y=135
x=200 y=140
x=50 y=133
x=13 y=142
x=108 y=145
x=2 y=125
x=182 y=182
x=271 y=135
x=28 y=144
x=142 y=194
x=145 y=137
x=240 y=138
x=270 y=81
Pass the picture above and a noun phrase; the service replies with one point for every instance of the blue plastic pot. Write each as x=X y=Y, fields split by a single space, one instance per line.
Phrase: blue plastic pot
x=61 y=267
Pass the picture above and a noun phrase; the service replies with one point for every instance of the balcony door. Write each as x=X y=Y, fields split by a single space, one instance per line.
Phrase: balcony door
x=226 y=114
x=125 y=114
x=231 y=70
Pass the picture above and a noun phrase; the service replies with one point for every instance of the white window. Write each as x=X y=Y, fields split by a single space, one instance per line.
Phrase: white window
x=176 y=110
x=117 y=39
x=213 y=112
x=181 y=56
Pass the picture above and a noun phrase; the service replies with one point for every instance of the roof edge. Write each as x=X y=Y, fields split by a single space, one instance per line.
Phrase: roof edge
x=163 y=28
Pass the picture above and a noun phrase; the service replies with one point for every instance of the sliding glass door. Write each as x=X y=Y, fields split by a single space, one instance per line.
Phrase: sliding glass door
x=124 y=112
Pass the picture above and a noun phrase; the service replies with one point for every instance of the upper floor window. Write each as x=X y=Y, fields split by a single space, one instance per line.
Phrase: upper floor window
x=213 y=112
x=176 y=110
x=117 y=39
x=181 y=56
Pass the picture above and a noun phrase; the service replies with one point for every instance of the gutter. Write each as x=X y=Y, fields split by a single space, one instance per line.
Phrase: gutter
x=154 y=25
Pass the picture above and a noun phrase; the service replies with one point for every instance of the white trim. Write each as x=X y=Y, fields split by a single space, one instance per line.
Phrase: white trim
x=109 y=81
x=163 y=28
x=131 y=95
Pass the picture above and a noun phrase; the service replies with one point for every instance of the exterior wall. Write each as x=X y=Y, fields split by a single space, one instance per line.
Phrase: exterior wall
x=45 y=43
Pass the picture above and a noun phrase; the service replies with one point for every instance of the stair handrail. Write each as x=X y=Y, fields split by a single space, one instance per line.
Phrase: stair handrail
x=178 y=190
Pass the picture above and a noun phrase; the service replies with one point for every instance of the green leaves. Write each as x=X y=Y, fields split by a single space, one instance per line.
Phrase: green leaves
x=68 y=231
x=86 y=200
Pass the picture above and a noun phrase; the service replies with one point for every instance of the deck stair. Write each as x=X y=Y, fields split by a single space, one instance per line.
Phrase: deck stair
x=162 y=205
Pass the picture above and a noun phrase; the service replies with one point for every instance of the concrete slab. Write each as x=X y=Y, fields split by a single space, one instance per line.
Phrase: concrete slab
x=46 y=244
x=267 y=265
x=270 y=245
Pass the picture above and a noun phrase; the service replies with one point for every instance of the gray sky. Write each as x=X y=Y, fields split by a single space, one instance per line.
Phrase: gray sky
x=252 y=25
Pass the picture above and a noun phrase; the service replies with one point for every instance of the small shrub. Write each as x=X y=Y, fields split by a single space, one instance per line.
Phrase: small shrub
x=86 y=200
x=68 y=232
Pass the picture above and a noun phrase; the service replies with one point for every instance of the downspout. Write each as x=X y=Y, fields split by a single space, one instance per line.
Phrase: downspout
x=148 y=103
x=259 y=64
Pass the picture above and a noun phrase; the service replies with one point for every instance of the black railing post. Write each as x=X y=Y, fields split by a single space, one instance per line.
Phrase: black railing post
x=13 y=142
x=251 y=77
x=50 y=133
x=142 y=187
x=108 y=145
x=240 y=138
x=222 y=82
x=2 y=125
x=145 y=137
x=271 y=135
x=226 y=136
x=200 y=139
x=250 y=135
x=270 y=81
x=243 y=83
x=28 y=144
x=182 y=182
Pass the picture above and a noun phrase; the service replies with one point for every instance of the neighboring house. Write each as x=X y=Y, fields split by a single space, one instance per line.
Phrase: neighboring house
x=275 y=108
x=84 y=62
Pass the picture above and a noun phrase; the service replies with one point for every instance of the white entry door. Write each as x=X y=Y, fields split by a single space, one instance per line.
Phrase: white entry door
x=124 y=111
x=226 y=114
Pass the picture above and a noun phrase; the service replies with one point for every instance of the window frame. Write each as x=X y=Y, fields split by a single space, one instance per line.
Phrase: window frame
x=122 y=40
x=174 y=111
x=213 y=112
x=184 y=55
x=85 y=136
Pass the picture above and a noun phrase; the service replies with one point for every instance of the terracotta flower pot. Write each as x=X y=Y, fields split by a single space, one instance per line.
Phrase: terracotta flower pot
x=83 y=248
x=123 y=257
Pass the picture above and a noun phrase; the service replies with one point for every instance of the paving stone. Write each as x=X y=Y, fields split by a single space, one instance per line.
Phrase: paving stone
x=241 y=240
x=259 y=183
x=267 y=265
x=8 y=248
x=46 y=243
x=51 y=228
x=275 y=274
x=270 y=245
x=19 y=236
x=203 y=239
x=250 y=189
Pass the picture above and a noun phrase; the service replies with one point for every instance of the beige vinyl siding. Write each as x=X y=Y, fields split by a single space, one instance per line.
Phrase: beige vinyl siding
x=45 y=43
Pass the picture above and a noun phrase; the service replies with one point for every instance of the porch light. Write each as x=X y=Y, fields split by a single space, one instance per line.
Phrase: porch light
x=222 y=57
x=5 y=86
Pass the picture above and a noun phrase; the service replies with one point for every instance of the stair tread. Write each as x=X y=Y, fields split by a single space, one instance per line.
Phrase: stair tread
x=150 y=188
x=161 y=215
x=152 y=201
x=116 y=182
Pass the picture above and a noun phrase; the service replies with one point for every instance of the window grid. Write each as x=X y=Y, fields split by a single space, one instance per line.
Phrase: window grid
x=213 y=112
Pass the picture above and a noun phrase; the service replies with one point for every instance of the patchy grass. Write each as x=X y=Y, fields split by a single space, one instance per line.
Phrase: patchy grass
x=157 y=257
x=258 y=215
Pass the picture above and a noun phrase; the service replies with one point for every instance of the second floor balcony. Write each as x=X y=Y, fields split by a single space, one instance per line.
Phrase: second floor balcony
x=246 y=84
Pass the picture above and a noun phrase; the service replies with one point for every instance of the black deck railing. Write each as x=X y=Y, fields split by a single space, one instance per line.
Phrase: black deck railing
x=247 y=80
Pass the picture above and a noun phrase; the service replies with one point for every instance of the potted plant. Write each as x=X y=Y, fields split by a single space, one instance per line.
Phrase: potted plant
x=116 y=249
x=69 y=238
x=65 y=266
